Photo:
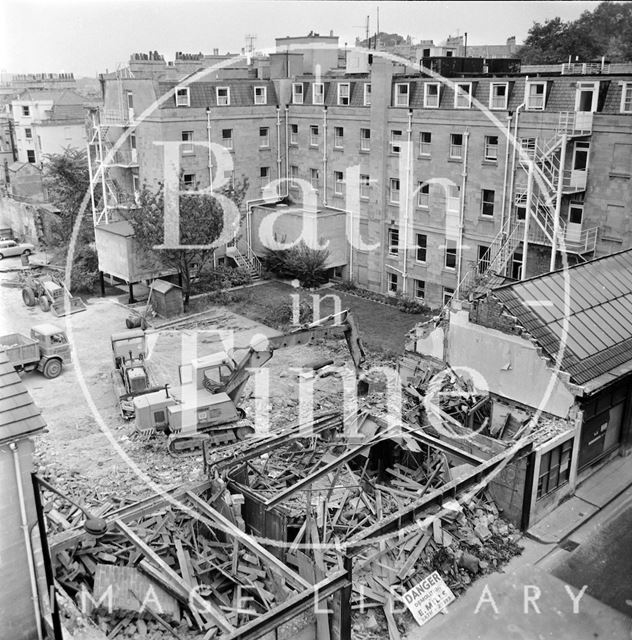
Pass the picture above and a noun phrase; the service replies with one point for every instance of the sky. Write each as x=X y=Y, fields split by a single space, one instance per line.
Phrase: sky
x=87 y=37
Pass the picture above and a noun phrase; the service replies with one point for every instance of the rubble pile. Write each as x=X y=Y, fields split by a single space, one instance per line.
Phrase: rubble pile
x=154 y=563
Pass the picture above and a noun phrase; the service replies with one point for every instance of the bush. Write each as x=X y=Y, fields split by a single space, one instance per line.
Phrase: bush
x=282 y=315
x=85 y=270
x=300 y=262
x=347 y=285
x=405 y=305
x=221 y=278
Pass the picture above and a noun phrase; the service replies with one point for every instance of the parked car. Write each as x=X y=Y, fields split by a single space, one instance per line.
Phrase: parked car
x=10 y=248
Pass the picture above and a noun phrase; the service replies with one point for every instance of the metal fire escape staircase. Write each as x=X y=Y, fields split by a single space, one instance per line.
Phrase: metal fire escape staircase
x=249 y=261
x=540 y=206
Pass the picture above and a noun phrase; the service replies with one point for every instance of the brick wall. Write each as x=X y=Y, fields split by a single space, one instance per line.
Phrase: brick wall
x=490 y=313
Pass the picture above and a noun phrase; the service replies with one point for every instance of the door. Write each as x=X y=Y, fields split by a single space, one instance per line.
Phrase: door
x=580 y=165
x=585 y=104
x=574 y=225
x=130 y=105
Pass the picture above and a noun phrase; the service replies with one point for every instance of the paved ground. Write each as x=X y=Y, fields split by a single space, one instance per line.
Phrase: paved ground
x=604 y=563
x=88 y=444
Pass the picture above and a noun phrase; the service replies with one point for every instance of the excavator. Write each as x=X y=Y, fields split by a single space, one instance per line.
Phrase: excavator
x=213 y=386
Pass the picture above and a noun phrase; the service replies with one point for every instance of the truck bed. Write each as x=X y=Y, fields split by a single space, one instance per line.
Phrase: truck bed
x=20 y=349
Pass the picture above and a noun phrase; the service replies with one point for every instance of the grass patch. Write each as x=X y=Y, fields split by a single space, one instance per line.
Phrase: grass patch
x=383 y=327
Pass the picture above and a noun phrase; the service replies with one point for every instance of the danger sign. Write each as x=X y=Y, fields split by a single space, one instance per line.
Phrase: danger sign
x=428 y=597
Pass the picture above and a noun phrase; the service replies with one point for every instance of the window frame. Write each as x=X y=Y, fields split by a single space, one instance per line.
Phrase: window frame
x=321 y=94
x=528 y=97
x=487 y=203
x=397 y=102
x=449 y=293
x=264 y=140
x=626 y=87
x=264 y=94
x=363 y=138
x=340 y=101
x=339 y=135
x=564 y=458
x=366 y=94
x=227 y=97
x=423 y=197
x=294 y=176
x=180 y=94
x=392 y=190
x=421 y=247
x=231 y=145
x=492 y=97
x=392 y=285
x=393 y=241
x=293 y=133
x=30 y=153
x=419 y=284
x=339 y=180
x=395 y=142
x=451 y=251
x=28 y=133
x=314 y=172
x=487 y=146
x=365 y=184
x=296 y=93
x=314 y=136
x=423 y=145
x=453 y=145
x=458 y=96
x=427 y=104
x=188 y=180
x=187 y=149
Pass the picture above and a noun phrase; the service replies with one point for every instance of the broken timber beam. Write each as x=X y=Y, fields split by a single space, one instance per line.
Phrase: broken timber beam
x=409 y=513
x=204 y=608
x=250 y=543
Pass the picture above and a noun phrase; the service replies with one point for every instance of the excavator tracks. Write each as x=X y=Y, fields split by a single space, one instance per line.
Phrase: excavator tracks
x=182 y=445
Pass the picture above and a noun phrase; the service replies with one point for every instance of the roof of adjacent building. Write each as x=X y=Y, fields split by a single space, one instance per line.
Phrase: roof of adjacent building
x=58 y=96
x=203 y=94
x=594 y=328
x=162 y=286
x=18 y=414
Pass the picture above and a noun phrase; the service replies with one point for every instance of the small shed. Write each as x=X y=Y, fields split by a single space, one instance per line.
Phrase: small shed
x=166 y=298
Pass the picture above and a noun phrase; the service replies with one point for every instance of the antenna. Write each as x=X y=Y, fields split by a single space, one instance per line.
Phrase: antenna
x=366 y=30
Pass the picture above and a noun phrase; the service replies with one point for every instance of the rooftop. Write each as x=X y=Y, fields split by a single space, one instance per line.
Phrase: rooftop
x=598 y=310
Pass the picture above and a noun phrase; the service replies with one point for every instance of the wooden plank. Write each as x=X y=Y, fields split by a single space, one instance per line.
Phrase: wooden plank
x=413 y=557
x=393 y=631
x=249 y=542
x=207 y=608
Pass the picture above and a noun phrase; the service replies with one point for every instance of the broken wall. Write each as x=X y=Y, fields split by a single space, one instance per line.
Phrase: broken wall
x=510 y=365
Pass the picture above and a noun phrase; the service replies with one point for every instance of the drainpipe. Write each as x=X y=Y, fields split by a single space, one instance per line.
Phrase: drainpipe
x=459 y=250
x=287 y=152
x=513 y=160
x=407 y=192
x=27 y=538
x=278 y=126
x=527 y=218
x=505 y=178
x=558 y=204
x=324 y=156
x=210 y=157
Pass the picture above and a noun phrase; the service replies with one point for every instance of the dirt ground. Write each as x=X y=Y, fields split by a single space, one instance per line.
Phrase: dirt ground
x=89 y=450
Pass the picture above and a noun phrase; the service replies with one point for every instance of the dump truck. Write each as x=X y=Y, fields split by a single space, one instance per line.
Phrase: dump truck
x=46 y=350
x=213 y=386
x=131 y=375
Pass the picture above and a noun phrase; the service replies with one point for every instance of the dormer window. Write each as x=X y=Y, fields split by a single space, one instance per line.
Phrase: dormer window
x=344 y=91
x=536 y=94
x=183 y=98
x=297 y=93
x=261 y=95
x=463 y=95
x=498 y=95
x=318 y=93
x=431 y=95
x=401 y=94
x=222 y=95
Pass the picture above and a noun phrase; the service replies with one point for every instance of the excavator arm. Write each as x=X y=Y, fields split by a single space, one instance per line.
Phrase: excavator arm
x=256 y=357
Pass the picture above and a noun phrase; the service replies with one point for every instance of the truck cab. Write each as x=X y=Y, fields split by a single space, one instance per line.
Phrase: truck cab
x=52 y=341
x=128 y=345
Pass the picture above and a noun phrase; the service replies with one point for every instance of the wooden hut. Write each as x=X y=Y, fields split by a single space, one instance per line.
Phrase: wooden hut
x=166 y=298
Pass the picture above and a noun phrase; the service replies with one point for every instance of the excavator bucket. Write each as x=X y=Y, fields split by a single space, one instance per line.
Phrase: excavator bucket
x=67 y=305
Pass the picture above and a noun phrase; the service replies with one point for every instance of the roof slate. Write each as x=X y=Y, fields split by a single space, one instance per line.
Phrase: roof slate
x=599 y=316
x=18 y=414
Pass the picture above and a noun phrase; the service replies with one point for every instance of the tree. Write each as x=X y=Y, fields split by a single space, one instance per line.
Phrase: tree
x=606 y=31
x=201 y=225
x=67 y=181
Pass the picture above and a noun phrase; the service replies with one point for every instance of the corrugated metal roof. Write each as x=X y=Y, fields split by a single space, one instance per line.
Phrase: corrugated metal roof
x=18 y=415
x=595 y=320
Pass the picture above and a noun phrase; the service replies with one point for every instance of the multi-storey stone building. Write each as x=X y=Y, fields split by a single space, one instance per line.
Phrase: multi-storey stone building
x=423 y=183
